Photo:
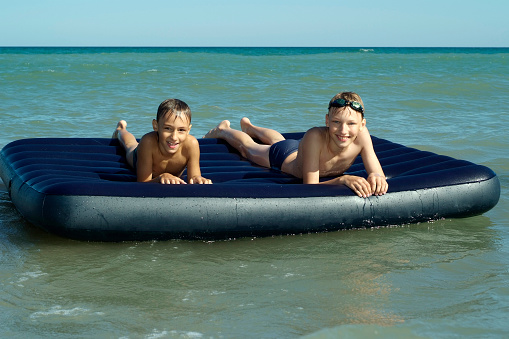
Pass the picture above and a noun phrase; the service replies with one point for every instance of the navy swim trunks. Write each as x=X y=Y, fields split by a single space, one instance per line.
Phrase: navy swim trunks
x=279 y=151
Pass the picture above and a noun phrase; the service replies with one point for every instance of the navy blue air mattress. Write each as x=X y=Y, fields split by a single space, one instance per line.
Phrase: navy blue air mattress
x=83 y=189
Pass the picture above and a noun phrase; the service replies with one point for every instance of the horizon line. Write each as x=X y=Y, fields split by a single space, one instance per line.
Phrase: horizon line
x=147 y=46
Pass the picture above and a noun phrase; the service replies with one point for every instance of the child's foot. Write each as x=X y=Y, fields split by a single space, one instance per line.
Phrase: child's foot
x=245 y=125
x=122 y=124
x=216 y=131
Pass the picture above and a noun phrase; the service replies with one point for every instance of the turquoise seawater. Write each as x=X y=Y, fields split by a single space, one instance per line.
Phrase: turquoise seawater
x=443 y=279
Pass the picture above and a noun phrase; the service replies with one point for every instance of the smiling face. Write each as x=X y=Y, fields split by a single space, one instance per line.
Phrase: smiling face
x=344 y=125
x=172 y=131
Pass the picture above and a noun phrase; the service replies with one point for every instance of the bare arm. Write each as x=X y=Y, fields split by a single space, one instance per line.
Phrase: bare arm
x=193 y=164
x=311 y=145
x=359 y=185
x=376 y=176
x=144 y=164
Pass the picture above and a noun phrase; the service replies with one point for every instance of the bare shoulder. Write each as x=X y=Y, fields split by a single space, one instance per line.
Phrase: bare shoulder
x=316 y=130
x=149 y=138
x=191 y=146
x=148 y=141
x=315 y=134
x=191 y=142
x=364 y=138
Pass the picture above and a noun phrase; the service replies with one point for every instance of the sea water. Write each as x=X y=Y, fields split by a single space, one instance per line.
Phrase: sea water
x=443 y=279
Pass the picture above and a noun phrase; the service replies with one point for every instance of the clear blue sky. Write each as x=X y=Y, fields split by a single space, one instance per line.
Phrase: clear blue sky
x=354 y=23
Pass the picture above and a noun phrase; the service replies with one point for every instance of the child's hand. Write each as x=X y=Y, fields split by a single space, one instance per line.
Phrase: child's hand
x=169 y=179
x=200 y=180
x=378 y=184
x=359 y=185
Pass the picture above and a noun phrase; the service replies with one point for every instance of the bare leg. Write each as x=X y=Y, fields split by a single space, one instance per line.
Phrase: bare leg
x=242 y=142
x=266 y=135
x=127 y=140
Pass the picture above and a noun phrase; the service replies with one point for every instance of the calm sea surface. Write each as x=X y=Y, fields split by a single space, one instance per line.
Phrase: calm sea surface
x=445 y=279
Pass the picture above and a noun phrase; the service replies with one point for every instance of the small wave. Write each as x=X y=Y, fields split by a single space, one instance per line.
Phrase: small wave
x=183 y=334
x=58 y=310
x=27 y=275
x=366 y=50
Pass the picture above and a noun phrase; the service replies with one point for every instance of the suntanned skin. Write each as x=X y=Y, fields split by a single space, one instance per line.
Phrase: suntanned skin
x=164 y=154
x=331 y=150
x=323 y=151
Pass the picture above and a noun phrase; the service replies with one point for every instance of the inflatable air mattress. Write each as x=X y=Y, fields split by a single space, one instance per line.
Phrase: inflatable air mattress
x=83 y=189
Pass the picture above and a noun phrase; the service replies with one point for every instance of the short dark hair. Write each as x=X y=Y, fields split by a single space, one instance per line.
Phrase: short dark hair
x=173 y=106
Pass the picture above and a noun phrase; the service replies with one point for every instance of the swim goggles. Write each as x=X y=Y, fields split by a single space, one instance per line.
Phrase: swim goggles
x=342 y=103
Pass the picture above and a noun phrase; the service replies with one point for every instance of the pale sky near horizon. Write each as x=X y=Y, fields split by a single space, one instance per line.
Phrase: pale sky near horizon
x=362 y=23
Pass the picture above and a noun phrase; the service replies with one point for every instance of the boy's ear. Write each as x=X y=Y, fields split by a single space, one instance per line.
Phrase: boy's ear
x=154 y=124
x=189 y=130
x=363 y=124
x=327 y=119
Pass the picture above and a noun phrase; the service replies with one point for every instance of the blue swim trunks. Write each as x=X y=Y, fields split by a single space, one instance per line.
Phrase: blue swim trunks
x=279 y=151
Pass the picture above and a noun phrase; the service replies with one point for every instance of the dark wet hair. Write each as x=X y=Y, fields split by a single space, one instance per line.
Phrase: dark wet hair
x=173 y=106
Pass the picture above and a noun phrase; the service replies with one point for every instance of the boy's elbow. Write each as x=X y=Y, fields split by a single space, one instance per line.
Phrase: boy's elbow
x=143 y=179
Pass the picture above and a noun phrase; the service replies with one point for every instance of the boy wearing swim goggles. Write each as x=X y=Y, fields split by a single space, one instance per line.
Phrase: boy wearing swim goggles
x=323 y=151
